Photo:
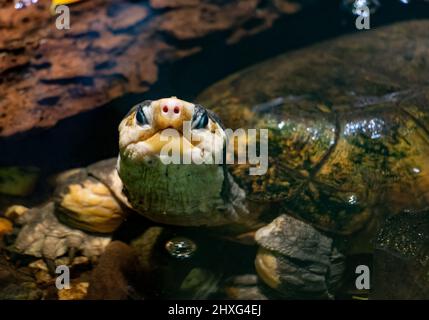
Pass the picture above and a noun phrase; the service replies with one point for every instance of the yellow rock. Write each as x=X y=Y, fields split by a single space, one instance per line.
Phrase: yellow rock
x=39 y=265
x=76 y=261
x=43 y=277
x=63 y=261
x=6 y=227
x=15 y=211
x=77 y=291
x=81 y=260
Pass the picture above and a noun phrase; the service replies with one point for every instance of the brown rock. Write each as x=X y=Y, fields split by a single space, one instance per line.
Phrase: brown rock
x=196 y=22
x=287 y=6
x=16 y=284
x=401 y=258
x=110 y=278
x=44 y=278
x=112 y=48
x=160 y=4
x=127 y=16
x=15 y=211
x=246 y=287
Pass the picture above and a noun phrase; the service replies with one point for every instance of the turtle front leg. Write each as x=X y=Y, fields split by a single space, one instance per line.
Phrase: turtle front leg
x=42 y=235
x=84 y=214
x=86 y=203
x=297 y=260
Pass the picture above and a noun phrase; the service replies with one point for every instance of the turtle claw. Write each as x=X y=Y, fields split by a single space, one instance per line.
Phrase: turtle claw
x=43 y=235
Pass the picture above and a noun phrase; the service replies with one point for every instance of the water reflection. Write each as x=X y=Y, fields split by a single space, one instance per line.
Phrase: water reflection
x=373 y=128
x=355 y=6
x=416 y=170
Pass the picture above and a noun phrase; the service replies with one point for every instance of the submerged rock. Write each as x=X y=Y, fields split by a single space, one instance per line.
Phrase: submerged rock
x=299 y=259
x=248 y=287
x=401 y=259
x=17 y=284
x=15 y=211
x=115 y=273
x=51 y=74
x=18 y=181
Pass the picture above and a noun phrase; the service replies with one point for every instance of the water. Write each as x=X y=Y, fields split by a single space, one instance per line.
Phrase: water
x=189 y=258
x=186 y=79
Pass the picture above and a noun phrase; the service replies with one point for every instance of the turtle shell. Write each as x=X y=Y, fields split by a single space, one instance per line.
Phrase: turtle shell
x=348 y=129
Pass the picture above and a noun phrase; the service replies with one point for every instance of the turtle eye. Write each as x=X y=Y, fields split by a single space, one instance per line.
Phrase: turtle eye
x=141 y=117
x=200 y=119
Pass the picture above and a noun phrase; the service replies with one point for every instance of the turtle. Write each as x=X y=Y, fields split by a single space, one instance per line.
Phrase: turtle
x=341 y=160
x=294 y=216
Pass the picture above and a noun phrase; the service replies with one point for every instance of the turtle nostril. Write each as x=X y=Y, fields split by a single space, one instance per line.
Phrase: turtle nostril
x=165 y=109
x=176 y=109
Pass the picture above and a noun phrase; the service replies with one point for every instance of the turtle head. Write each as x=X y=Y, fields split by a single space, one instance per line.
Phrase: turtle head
x=166 y=128
x=170 y=162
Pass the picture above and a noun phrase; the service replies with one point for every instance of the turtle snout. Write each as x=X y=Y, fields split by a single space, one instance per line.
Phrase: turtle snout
x=171 y=113
x=171 y=109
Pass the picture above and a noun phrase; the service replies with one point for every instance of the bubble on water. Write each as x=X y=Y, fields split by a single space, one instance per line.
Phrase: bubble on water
x=415 y=170
x=181 y=247
x=353 y=199
x=355 y=6
x=19 y=5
